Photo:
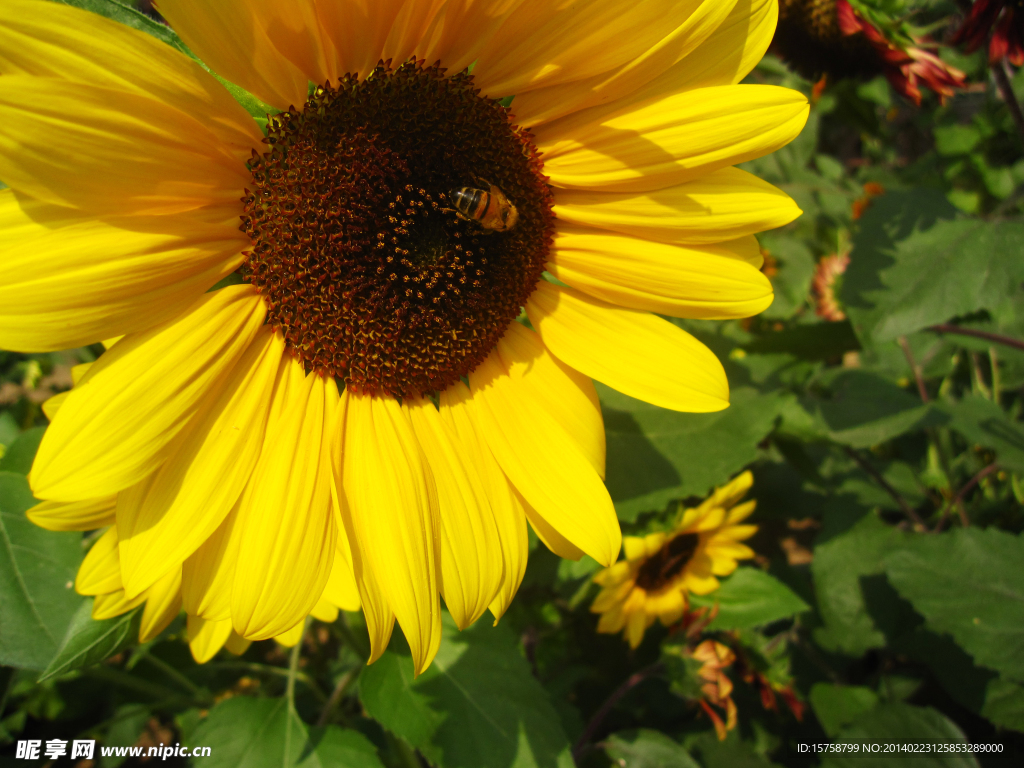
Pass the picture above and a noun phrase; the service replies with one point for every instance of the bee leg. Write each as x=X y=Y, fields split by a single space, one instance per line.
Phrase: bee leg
x=460 y=214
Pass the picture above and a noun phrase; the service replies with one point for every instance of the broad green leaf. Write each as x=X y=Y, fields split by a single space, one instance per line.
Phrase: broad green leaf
x=794 y=265
x=750 y=598
x=862 y=409
x=37 y=573
x=265 y=733
x=969 y=583
x=839 y=568
x=986 y=424
x=129 y=722
x=647 y=749
x=980 y=690
x=898 y=723
x=914 y=265
x=837 y=706
x=476 y=706
x=731 y=753
x=89 y=642
x=819 y=341
x=655 y=455
x=124 y=14
x=19 y=455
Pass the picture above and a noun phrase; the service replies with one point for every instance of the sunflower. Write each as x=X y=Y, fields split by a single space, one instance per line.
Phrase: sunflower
x=662 y=568
x=323 y=384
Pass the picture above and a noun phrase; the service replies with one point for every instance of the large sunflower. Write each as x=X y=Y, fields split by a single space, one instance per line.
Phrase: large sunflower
x=211 y=434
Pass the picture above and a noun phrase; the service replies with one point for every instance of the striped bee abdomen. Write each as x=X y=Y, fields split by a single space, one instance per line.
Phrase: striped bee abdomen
x=471 y=202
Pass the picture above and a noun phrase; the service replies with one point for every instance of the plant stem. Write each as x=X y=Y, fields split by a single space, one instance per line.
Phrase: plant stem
x=595 y=722
x=337 y=694
x=175 y=675
x=267 y=669
x=293 y=671
x=875 y=475
x=996 y=337
x=993 y=359
x=915 y=368
x=350 y=639
x=1002 y=77
x=979 y=381
x=958 y=500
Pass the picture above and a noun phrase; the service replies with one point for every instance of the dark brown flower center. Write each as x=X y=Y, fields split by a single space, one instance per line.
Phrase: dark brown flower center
x=668 y=562
x=366 y=266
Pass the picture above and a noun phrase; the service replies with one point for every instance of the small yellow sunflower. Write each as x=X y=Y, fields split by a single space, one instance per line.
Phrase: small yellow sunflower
x=662 y=568
x=364 y=419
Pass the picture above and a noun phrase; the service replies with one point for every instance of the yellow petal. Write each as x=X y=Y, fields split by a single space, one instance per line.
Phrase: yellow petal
x=325 y=611
x=366 y=31
x=139 y=395
x=617 y=574
x=208 y=574
x=560 y=41
x=209 y=465
x=387 y=490
x=669 y=606
x=741 y=512
x=380 y=619
x=233 y=38
x=727 y=55
x=67 y=43
x=471 y=562
x=121 y=153
x=634 y=547
x=543 y=462
x=545 y=104
x=68 y=279
x=100 y=571
x=567 y=396
x=288 y=530
x=52 y=404
x=637 y=353
x=205 y=637
x=114 y=604
x=291 y=638
x=464 y=29
x=237 y=644
x=675 y=139
x=74 y=515
x=732 y=491
x=341 y=589
x=163 y=604
x=722 y=205
x=506 y=506
x=709 y=281
x=552 y=539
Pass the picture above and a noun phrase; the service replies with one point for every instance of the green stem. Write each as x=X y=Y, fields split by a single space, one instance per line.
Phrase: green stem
x=993 y=359
x=175 y=675
x=267 y=669
x=338 y=694
x=350 y=639
x=293 y=671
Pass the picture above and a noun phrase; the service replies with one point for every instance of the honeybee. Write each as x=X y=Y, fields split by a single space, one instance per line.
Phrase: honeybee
x=490 y=209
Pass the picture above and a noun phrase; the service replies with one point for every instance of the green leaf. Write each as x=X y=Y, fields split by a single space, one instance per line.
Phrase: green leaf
x=476 y=706
x=914 y=265
x=986 y=424
x=750 y=598
x=795 y=268
x=37 y=572
x=89 y=642
x=655 y=455
x=837 y=706
x=20 y=454
x=980 y=690
x=264 y=733
x=969 y=583
x=645 y=748
x=839 y=567
x=124 y=14
x=862 y=409
x=899 y=723
x=129 y=723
